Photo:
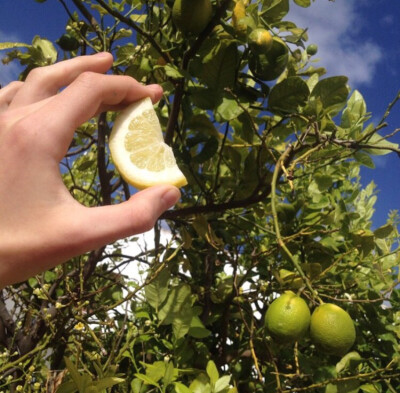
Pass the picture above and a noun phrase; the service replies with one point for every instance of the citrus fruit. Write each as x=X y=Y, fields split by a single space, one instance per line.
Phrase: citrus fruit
x=312 y=49
x=191 y=16
x=332 y=329
x=269 y=65
x=67 y=42
x=287 y=318
x=260 y=41
x=138 y=150
x=238 y=15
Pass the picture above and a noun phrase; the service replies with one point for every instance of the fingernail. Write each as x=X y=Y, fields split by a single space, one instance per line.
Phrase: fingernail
x=157 y=91
x=171 y=196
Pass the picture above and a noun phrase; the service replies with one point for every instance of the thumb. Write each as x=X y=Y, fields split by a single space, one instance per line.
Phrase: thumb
x=106 y=224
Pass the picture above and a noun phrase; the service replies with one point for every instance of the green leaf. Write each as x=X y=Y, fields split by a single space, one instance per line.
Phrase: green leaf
x=229 y=109
x=157 y=291
x=204 y=97
x=176 y=298
x=181 y=388
x=75 y=375
x=197 y=329
x=383 y=231
x=274 y=10
x=156 y=370
x=181 y=321
x=364 y=159
x=381 y=144
x=200 y=384
x=169 y=375
x=222 y=383
x=172 y=71
x=201 y=123
x=303 y=3
x=323 y=181
x=67 y=387
x=289 y=95
x=354 y=111
x=369 y=388
x=208 y=151
x=350 y=386
x=10 y=45
x=108 y=382
x=85 y=165
x=332 y=92
x=147 y=380
x=138 y=18
x=47 y=48
x=137 y=385
x=212 y=372
x=219 y=71
x=349 y=362
x=363 y=240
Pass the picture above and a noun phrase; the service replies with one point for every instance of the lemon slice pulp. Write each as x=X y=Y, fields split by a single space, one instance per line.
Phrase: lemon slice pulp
x=138 y=150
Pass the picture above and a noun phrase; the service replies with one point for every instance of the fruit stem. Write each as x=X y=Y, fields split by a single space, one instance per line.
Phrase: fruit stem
x=278 y=168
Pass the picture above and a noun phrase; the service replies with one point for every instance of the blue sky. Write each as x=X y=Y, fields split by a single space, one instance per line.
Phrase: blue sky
x=356 y=38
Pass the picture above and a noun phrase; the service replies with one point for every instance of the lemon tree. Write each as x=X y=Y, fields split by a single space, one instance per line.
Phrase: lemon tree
x=138 y=149
x=271 y=146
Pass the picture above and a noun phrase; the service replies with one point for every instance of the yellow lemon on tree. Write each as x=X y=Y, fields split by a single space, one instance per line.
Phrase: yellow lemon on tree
x=269 y=65
x=287 y=318
x=260 y=41
x=332 y=329
x=238 y=18
x=191 y=16
x=138 y=150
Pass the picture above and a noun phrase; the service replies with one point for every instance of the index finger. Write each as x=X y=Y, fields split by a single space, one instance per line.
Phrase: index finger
x=88 y=95
x=44 y=82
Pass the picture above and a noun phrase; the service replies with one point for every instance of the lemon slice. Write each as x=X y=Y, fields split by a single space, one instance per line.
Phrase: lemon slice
x=138 y=150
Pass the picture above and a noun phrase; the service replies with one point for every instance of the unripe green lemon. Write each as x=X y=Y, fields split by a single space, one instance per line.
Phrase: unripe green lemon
x=332 y=329
x=287 y=318
x=268 y=66
x=191 y=16
x=67 y=42
x=260 y=41
x=312 y=49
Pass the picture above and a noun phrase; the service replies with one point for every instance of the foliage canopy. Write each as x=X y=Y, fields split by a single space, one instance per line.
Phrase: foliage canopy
x=274 y=202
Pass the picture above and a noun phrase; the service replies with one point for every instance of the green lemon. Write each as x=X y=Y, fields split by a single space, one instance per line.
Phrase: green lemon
x=287 y=318
x=312 y=49
x=269 y=65
x=332 y=329
x=67 y=42
x=191 y=16
x=260 y=41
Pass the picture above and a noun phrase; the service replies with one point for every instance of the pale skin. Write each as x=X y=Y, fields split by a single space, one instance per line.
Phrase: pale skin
x=41 y=224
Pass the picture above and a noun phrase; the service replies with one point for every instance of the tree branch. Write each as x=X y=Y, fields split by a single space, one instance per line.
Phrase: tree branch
x=179 y=89
x=135 y=27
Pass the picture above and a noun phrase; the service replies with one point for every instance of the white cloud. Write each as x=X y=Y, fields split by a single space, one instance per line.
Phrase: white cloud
x=335 y=28
x=134 y=248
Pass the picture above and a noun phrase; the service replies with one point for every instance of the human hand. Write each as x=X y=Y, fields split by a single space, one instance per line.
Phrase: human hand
x=41 y=225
